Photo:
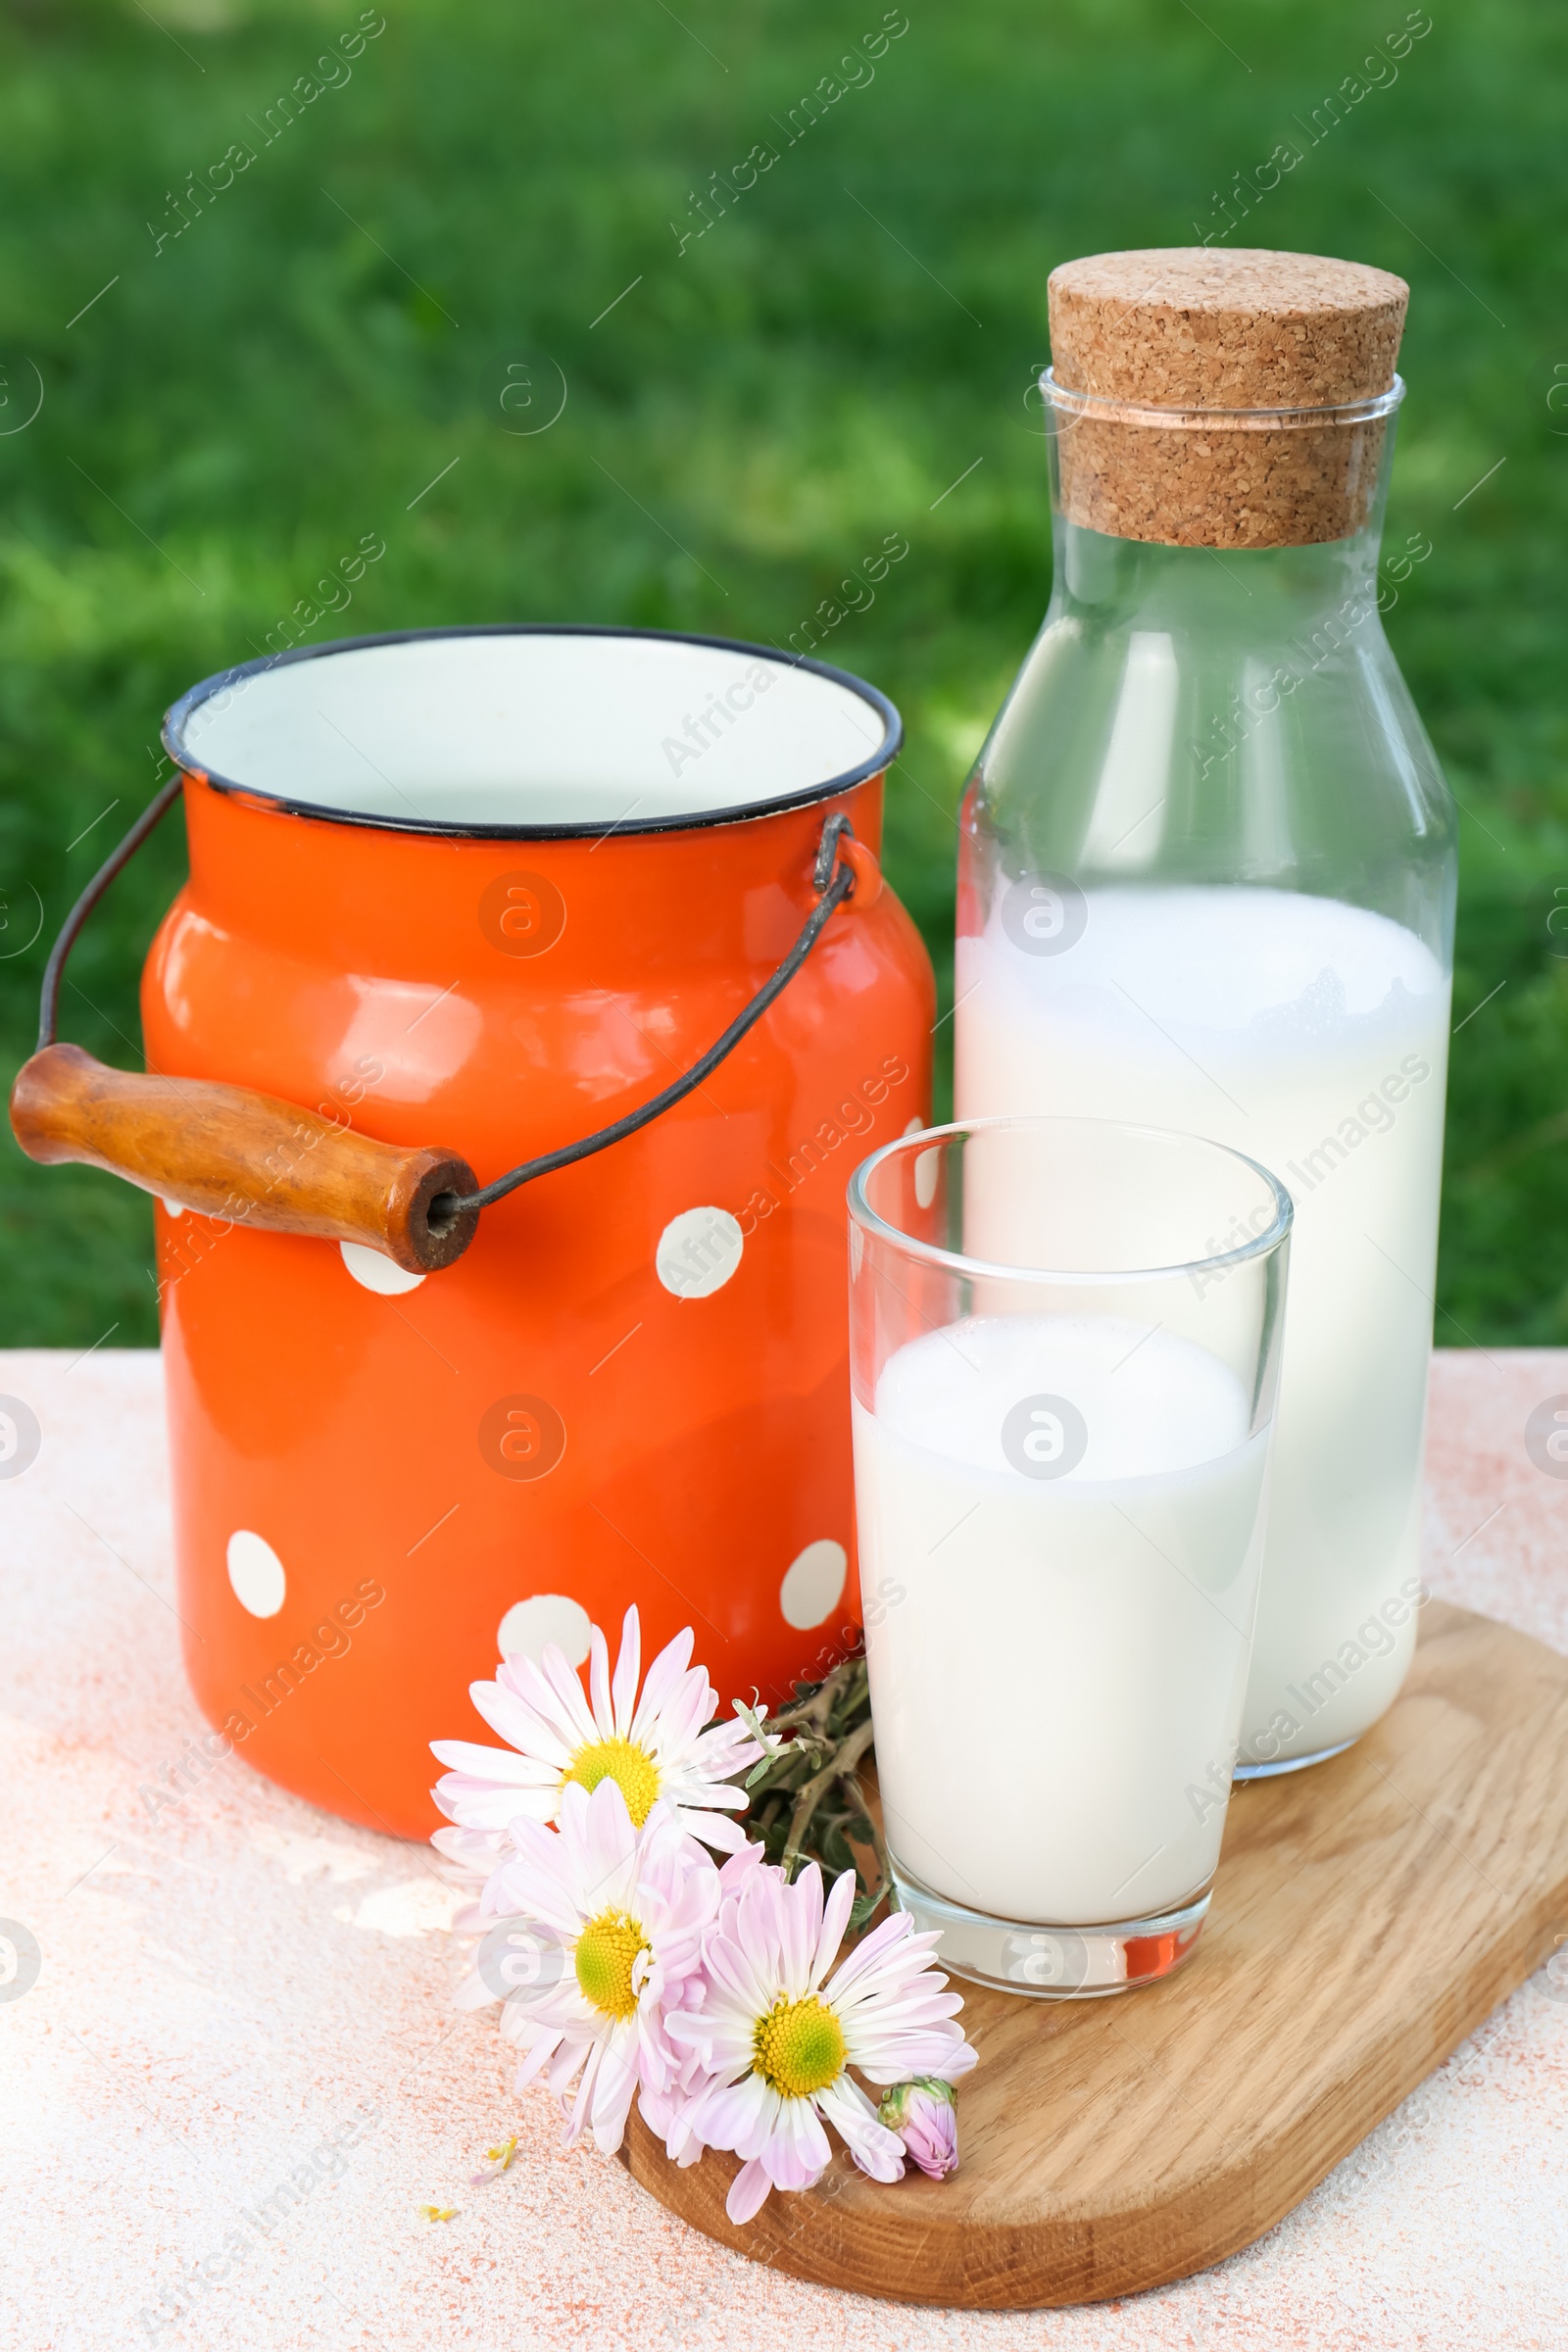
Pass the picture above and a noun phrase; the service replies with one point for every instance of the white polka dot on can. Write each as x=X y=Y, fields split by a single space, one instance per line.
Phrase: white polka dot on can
x=927 y=1168
x=813 y=1583
x=698 y=1252
x=256 y=1573
x=545 y=1617
x=374 y=1272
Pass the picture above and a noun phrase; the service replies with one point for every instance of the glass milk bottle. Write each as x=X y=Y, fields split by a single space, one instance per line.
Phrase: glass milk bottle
x=1207 y=877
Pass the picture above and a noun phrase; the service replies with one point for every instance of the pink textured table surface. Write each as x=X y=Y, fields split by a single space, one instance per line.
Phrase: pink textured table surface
x=228 y=1986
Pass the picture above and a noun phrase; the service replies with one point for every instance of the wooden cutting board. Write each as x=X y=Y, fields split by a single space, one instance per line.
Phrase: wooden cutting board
x=1367 y=1915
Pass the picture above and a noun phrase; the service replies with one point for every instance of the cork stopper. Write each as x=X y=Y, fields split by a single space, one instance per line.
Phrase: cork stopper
x=1210 y=338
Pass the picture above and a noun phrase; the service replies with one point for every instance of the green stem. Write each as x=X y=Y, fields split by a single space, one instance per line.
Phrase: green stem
x=840 y=1766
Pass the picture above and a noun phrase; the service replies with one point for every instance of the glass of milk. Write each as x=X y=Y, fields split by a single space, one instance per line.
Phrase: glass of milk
x=1065 y=1338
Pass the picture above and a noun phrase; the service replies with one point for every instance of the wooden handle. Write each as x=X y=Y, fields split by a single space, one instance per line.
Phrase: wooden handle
x=232 y=1154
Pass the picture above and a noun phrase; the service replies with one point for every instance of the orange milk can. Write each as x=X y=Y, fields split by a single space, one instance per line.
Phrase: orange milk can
x=461 y=901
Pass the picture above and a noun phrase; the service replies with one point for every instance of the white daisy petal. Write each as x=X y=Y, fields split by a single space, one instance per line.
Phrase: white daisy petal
x=543 y=1713
x=474 y=1805
x=603 y=1714
x=623 y=1690
x=538 y=2059
x=467 y=1756
x=562 y=1682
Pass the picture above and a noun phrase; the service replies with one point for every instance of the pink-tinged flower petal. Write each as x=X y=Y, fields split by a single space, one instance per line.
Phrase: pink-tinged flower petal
x=690 y=1707
x=612 y=2094
x=713 y=1828
x=560 y=1679
x=798 y=2151
x=874 y=2148
x=538 y=1732
x=743 y=1975
x=538 y=2058
x=474 y=1993
x=746 y=1860
x=801 y=1914
x=888 y=2052
x=576 y=2115
x=749 y=1937
x=609 y=1840
x=835 y=1919
x=925 y=2116
x=736 y=2115
x=672 y=2117
x=748 y=2193
x=560 y=1714
x=663 y=1680
x=888 y=1956
x=468 y=1855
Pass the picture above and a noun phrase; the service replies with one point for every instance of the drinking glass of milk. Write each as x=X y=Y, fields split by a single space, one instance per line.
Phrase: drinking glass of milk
x=1066 y=1341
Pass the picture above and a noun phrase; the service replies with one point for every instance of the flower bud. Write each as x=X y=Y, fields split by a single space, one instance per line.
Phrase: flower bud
x=924 y=2113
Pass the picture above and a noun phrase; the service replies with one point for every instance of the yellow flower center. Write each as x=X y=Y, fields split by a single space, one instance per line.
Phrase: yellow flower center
x=800 y=2047
x=632 y=1768
x=607 y=1951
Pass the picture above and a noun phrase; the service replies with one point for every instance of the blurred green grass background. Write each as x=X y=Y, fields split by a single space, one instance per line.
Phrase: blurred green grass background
x=244 y=402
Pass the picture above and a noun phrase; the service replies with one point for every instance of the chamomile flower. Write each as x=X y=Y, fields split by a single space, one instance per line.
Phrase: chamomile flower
x=775 y=2035
x=612 y=1917
x=654 y=1749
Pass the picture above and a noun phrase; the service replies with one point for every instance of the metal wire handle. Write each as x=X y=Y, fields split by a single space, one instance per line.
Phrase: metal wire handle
x=834 y=881
x=832 y=877
x=54 y=969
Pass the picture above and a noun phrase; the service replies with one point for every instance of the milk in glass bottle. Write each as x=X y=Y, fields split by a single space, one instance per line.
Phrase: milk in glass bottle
x=1207 y=877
